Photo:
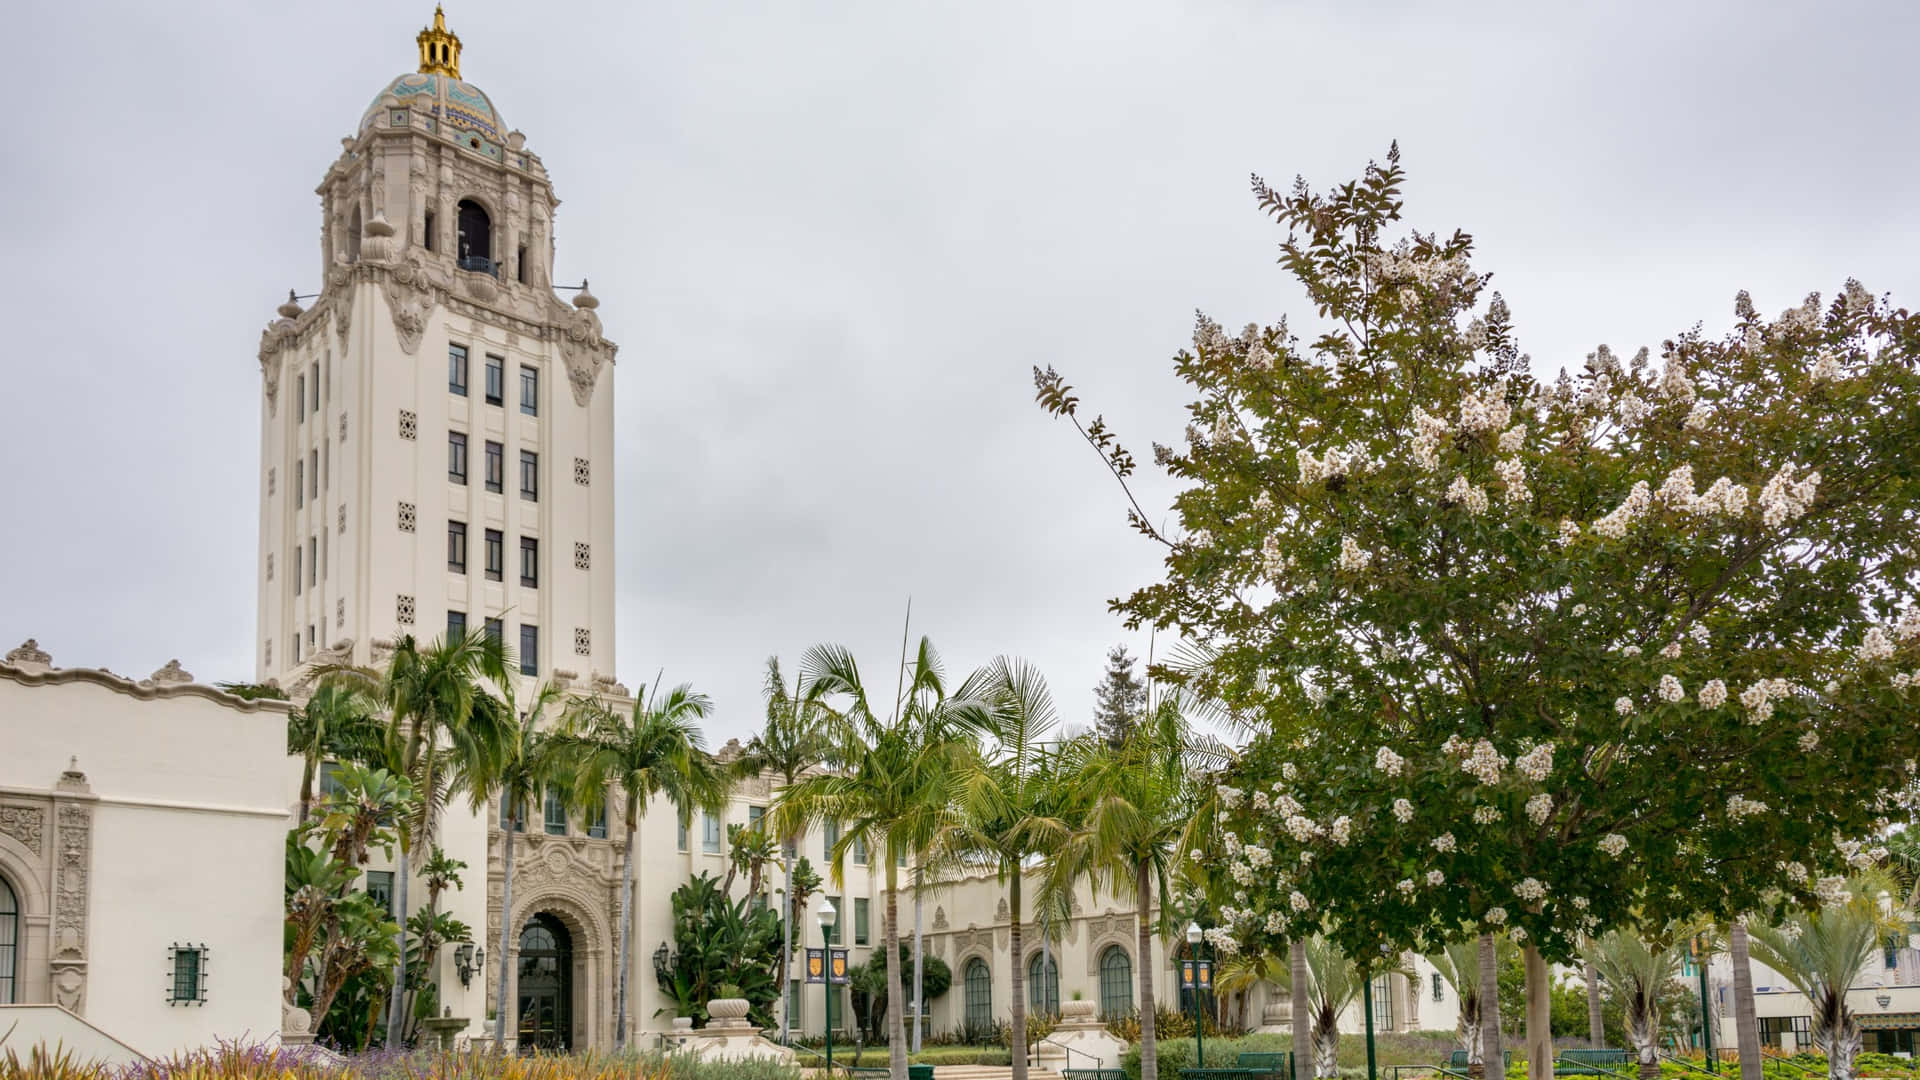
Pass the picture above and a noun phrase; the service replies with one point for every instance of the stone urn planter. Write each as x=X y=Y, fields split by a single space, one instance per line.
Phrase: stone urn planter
x=1076 y=1011
x=727 y=1010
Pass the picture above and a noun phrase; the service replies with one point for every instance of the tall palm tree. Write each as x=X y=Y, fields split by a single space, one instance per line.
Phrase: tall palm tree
x=1013 y=808
x=1821 y=952
x=1141 y=809
x=336 y=720
x=895 y=786
x=656 y=750
x=524 y=777
x=1637 y=971
x=443 y=726
x=793 y=741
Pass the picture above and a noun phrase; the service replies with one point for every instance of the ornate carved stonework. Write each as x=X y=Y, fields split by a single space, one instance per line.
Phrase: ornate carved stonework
x=23 y=823
x=71 y=875
x=410 y=298
x=29 y=652
x=939 y=917
x=582 y=347
x=1003 y=912
x=172 y=672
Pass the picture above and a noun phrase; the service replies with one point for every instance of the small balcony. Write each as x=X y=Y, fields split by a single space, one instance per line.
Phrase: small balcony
x=480 y=264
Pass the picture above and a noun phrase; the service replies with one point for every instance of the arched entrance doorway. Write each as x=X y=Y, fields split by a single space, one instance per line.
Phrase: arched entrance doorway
x=546 y=985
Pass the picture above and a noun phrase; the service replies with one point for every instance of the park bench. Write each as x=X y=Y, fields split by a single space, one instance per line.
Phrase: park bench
x=1268 y=1061
x=1093 y=1074
x=1598 y=1062
x=1229 y=1072
x=1457 y=1061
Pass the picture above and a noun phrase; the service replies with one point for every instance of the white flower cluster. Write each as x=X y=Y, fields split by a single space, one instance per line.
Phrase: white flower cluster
x=1699 y=633
x=1496 y=916
x=1617 y=521
x=1226 y=427
x=1698 y=417
x=1389 y=267
x=1670 y=689
x=1623 y=705
x=1258 y=857
x=1261 y=803
x=1302 y=828
x=1672 y=650
x=1341 y=830
x=1405 y=885
x=1540 y=808
x=1809 y=741
x=1537 y=763
x=1314 y=470
x=1259 y=357
x=1531 y=890
x=1436 y=879
x=1613 y=844
x=1241 y=872
x=1272 y=562
x=1796 y=872
x=1674 y=384
x=1426 y=440
x=1229 y=795
x=1467 y=494
x=1784 y=498
x=1481 y=760
x=1569 y=532
x=1444 y=842
x=1512 y=439
x=1207 y=336
x=1484 y=412
x=1632 y=410
x=1486 y=815
x=1630 y=651
x=1739 y=806
x=1276 y=923
x=1389 y=762
x=1286 y=805
x=1221 y=939
x=1514 y=476
x=1677 y=489
x=1832 y=890
x=1403 y=810
x=1353 y=557
x=1298 y=900
x=1874 y=646
x=1759 y=698
x=1713 y=695
x=1579 y=902
x=1263 y=502
x=1826 y=367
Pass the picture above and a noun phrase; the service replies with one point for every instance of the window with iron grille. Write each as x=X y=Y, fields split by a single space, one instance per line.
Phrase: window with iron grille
x=979 y=996
x=187 y=975
x=1116 y=983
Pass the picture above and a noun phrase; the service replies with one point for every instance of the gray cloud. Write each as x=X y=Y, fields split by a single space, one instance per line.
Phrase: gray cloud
x=833 y=238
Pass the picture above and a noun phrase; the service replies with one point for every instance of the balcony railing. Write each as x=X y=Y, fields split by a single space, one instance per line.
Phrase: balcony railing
x=479 y=264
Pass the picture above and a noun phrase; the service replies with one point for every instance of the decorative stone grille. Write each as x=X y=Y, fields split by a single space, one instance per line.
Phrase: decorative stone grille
x=582 y=472
x=339 y=613
x=406 y=517
x=582 y=557
x=409 y=424
x=403 y=610
x=582 y=641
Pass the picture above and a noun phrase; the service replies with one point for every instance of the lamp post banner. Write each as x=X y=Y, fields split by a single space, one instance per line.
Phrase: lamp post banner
x=816 y=965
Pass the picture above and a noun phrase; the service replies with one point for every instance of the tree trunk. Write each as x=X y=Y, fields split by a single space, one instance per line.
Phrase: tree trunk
x=890 y=936
x=786 y=948
x=1017 y=1039
x=1297 y=1002
x=306 y=795
x=919 y=972
x=397 y=996
x=1326 y=1048
x=1540 y=1017
x=626 y=938
x=1596 y=1027
x=1643 y=1027
x=1746 y=1027
x=1143 y=904
x=1467 y=1030
x=506 y=936
x=1495 y=1061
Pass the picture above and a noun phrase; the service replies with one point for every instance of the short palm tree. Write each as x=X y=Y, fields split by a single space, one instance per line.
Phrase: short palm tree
x=895 y=786
x=336 y=719
x=1013 y=807
x=1821 y=952
x=1637 y=971
x=1459 y=964
x=655 y=750
x=1335 y=982
x=792 y=742
x=1141 y=807
x=524 y=777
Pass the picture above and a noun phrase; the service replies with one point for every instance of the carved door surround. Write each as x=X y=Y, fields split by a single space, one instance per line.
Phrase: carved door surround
x=46 y=854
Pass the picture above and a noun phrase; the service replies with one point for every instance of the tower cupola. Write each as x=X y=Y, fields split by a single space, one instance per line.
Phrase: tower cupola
x=439 y=47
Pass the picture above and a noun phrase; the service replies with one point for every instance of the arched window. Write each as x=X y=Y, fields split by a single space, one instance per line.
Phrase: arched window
x=474 y=247
x=1043 y=984
x=979 y=996
x=9 y=940
x=1116 y=983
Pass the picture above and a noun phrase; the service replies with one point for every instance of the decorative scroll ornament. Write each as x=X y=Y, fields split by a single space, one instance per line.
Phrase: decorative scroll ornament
x=172 y=672
x=410 y=298
x=25 y=824
x=582 y=347
x=29 y=652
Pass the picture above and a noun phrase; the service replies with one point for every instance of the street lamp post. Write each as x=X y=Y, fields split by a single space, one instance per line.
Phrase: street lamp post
x=1199 y=1027
x=1701 y=956
x=827 y=917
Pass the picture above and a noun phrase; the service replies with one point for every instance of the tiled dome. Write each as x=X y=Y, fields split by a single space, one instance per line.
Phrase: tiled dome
x=455 y=105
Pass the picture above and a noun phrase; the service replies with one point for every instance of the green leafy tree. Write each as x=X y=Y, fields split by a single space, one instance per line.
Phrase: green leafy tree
x=655 y=751
x=1544 y=657
x=749 y=851
x=339 y=721
x=722 y=947
x=1820 y=950
x=1119 y=699
x=869 y=983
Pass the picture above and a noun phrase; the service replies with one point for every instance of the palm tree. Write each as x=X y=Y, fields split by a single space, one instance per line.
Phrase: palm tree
x=1459 y=964
x=1596 y=1024
x=1821 y=952
x=523 y=780
x=443 y=727
x=1300 y=1011
x=895 y=786
x=1241 y=972
x=1140 y=812
x=1012 y=808
x=1490 y=1004
x=337 y=718
x=1637 y=971
x=1746 y=1024
x=793 y=741
x=749 y=850
x=1335 y=983
x=656 y=750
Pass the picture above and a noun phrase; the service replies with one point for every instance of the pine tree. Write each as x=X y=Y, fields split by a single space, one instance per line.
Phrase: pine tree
x=1119 y=699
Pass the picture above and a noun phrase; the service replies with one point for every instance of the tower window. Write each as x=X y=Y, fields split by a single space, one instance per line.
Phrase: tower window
x=456 y=625
x=300 y=408
x=299 y=483
x=457 y=546
x=496 y=466
x=529 y=650
x=496 y=380
x=496 y=555
x=520 y=265
x=457 y=456
x=457 y=369
x=530 y=562
x=475 y=248
x=529 y=390
x=530 y=476
x=426 y=232
x=313 y=473
x=496 y=630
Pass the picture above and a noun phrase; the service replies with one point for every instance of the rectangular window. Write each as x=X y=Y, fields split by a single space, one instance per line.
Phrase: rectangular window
x=496 y=380
x=795 y=1018
x=296 y=647
x=1439 y=987
x=299 y=483
x=316 y=389
x=300 y=401
x=456 y=625
x=426 y=241
x=1382 y=1004
x=529 y=390
x=330 y=779
x=597 y=827
x=530 y=562
x=457 y=456
x=189 y=976
x=380 y=889
x=860 y=851
x=496 y=466
x=682 y=837
x=495 y=630
x=313 y=560
x=556 y=812
x=509 y=819
x=529 y=650
x=900 y=858
x=313 y=473
x=297 y=579
x=496 y=556
x=456 y=366
x=754 y=814
x=839 y=920
x=456 y=549
x=829 y=836
x=326 y=466
x=710 y=834
x=529 y=476
x=860 y=917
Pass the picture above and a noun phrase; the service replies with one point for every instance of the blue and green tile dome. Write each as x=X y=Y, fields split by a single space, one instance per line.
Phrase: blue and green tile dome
x=455 y=105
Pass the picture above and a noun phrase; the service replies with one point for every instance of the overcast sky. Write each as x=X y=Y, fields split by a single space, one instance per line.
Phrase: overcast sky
x=833 y=238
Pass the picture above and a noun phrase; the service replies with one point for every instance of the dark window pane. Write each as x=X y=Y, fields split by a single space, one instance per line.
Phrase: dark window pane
x=380 y=888
x=457 y=457
x=529 y=475
x=496 y=465
x=456 y=362
x=457 y=547
x=529 y=650
x=496 y=380
x=529 y=562
x=530 y=391
x=495 y=630
x=598 y=828
x=496 y=555
x=186 y=975
x=456 y=625
x=556 y=811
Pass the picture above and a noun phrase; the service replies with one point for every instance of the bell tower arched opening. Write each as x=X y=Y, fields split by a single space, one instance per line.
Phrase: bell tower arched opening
x=475 y=249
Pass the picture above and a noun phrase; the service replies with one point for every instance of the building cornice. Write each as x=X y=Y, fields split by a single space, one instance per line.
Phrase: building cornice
x=142 y=690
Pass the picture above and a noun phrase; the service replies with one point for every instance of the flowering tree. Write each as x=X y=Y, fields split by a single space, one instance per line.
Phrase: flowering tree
x=1545 y=656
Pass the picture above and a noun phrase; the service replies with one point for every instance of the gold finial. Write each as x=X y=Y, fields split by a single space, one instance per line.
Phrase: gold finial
x=439 y=47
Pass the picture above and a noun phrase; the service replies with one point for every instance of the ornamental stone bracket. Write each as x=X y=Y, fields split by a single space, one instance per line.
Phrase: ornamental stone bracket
x=26 y=824
x=30 y=657
x=72 y=888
